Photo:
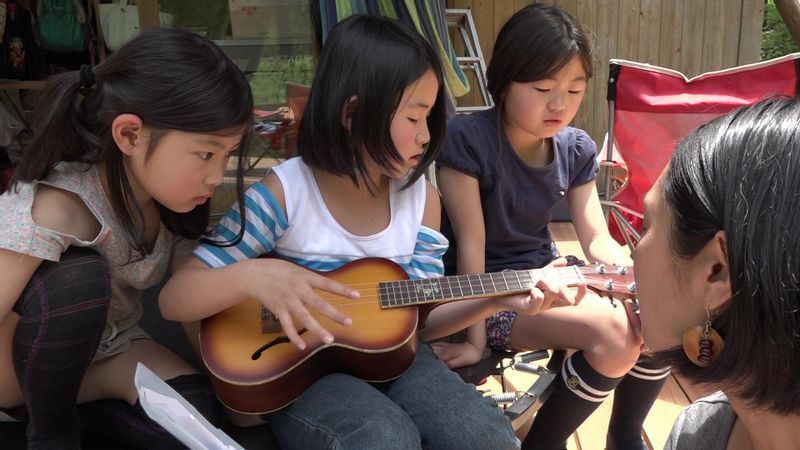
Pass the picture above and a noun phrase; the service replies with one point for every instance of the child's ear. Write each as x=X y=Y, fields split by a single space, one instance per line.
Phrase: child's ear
x=348 y=109
x=128 y=132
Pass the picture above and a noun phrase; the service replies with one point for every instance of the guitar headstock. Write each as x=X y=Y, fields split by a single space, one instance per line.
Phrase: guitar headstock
x=610 y=281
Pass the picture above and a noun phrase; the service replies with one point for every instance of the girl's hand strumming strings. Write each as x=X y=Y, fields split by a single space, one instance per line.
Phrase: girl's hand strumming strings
x=287 y=290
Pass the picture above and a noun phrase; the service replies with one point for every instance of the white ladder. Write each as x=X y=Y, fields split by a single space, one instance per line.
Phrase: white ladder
x=461 y=21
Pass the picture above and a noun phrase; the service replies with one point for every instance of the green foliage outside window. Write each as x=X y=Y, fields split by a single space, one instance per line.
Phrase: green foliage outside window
x=269 y=80
x=775 y=39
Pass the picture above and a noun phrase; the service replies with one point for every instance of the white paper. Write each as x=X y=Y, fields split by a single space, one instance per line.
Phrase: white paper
x=170 y=410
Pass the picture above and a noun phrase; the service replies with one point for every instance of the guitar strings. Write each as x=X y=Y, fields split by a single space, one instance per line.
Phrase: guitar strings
x=371 y=292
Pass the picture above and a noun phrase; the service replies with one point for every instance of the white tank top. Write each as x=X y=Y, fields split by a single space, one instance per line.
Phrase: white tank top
x=316 y=237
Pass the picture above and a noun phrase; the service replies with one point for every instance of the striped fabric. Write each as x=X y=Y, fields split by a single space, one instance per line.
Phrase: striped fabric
x=579 y=386
x=645 y=373
x=266 y=223
x=426 y=16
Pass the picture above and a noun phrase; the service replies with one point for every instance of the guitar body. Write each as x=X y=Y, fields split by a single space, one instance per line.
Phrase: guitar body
x=378 y=346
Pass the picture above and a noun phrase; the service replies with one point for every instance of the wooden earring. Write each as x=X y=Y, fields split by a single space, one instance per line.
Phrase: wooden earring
x=702 y=345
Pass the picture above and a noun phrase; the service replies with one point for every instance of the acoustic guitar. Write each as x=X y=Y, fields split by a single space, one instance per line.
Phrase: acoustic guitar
x=256 y=369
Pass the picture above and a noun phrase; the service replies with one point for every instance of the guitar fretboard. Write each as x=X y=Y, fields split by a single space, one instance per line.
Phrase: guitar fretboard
x=395 y=294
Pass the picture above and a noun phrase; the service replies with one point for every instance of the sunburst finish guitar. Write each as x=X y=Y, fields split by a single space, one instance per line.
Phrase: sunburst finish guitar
x=256 y=369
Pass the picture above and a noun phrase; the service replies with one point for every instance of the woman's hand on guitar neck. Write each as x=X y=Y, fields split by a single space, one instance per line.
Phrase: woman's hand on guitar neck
x=287 y=290
x=544 y=295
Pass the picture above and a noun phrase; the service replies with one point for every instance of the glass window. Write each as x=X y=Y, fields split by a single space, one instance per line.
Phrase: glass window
x=269 y=39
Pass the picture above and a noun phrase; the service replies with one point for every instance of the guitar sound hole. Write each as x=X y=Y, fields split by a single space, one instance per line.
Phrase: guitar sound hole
x=272 y=343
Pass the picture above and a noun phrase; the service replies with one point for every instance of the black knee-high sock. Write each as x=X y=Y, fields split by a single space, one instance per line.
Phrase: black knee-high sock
x=63 y=311
x=578 y=391
x=632 y=401
x=129 y=425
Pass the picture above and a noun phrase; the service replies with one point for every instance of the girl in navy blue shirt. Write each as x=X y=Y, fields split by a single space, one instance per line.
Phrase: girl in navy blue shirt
x=501 y=172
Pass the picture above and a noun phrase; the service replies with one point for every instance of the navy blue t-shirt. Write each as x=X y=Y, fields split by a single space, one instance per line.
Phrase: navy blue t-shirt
x=517 y=199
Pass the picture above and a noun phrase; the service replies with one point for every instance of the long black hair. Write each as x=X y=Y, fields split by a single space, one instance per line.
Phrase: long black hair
x=739 y=174
x=535 y=43
x=172 y=80
x=375 y=59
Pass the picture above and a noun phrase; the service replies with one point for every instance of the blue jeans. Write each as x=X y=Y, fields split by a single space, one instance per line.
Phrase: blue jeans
x=429 y=406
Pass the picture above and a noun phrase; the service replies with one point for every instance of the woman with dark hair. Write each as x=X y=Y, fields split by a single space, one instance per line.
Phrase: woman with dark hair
x=501 y=173
x=718 y=277
x=112 y=191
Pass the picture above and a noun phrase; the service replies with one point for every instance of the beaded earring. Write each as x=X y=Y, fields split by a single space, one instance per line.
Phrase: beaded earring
x=702 y=345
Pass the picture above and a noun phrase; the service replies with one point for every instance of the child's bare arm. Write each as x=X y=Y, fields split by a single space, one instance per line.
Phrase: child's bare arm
x=590 y=226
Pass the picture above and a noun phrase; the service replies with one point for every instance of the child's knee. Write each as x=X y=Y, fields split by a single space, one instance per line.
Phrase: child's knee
x=616 y=348
x=79 y=282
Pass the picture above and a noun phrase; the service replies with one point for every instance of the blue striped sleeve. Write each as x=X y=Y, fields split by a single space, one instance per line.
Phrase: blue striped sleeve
x=427 y=259
x=264 y=224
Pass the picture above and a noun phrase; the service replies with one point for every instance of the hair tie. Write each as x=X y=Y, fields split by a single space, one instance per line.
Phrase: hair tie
x=87 y=78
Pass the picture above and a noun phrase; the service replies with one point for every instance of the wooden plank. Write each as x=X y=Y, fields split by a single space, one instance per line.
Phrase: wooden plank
x=649 y=32
x=628 y=30
x=750 y=38
x=605 y=30
x=730 y=34
x=670 y=49
x=148 y=14
x=570 y=6
x=692 y=38
x=712 y=31
x=519 y=4
x=21 y=84
x=565 y=238
x=503 y=10
x=586 y=117
x=483 y=15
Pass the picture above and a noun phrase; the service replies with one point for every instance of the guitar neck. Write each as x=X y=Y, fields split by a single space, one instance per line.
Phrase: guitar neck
x=402 y=293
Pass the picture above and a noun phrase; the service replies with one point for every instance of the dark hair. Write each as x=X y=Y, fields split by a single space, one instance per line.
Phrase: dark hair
x=535 y=43
x=171 y=80
x=373 y=58
x=739 y=173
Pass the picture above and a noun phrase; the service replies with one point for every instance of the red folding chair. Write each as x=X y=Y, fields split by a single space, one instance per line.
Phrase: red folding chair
x=652 y=108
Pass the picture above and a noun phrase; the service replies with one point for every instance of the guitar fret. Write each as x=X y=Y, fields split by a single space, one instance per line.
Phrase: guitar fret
x=503 y=275
x=519 y=283
x=408 y=292
x=471 y=287
x=382 y=287
x=390 y=293
x=398 y=294
x=449 y=288
x=483 y=289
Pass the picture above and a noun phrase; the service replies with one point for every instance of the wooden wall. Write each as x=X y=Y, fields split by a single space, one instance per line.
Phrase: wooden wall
x=692 y=36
